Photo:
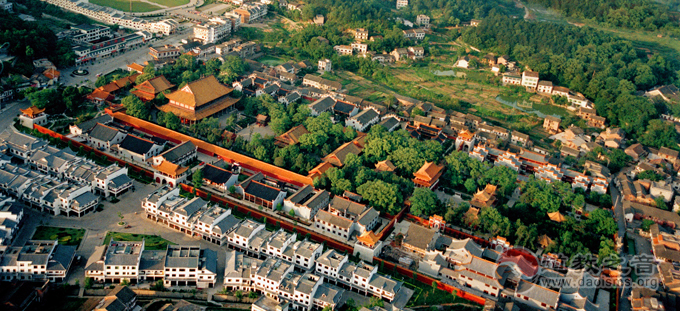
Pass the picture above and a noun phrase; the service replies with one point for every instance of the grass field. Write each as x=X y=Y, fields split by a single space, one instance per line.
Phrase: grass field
x=124 y=6
x=151 y=242
x=271 y=60
x=170 y=3
x=65 y=236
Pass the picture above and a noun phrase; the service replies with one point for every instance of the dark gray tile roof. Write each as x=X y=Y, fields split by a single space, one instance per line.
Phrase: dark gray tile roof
x=136 y=144
x=366 y=116
x=103 y=133
x=177 y=152
x=216 y=175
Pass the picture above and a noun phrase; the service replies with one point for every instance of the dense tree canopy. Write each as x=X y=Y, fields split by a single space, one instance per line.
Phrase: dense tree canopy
x=637 y=14
x=29 y=41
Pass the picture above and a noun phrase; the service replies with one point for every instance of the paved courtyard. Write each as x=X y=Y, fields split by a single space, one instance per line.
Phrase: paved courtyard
x=249 y=131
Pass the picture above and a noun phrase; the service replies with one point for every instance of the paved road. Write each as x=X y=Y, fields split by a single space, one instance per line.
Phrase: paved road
x=624 y=303
x=120 y=61
x=11 y=110
x=99 y=223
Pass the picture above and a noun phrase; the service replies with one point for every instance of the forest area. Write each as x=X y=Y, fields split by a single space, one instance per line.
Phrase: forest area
x=634 y=14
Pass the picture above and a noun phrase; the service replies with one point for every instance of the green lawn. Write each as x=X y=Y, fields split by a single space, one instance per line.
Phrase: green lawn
x=151 y=242
x=125 y=5
x=66 y=236
x=271 y=60
x=170 y=3
x=424 y=296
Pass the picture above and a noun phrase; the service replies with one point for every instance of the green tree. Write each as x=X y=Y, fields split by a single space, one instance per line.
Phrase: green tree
x=197 y=178
x=646 y=224
x=88 y=283
x=291 y=213
x=45 y=98
x=135 y=107
x=660 y=133
x=424 y=202
x=660 y=203
x=381 y=195
x=649 y=174
x=101 y=81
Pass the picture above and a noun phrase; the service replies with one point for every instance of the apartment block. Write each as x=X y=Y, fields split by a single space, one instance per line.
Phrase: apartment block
x=36 y=260
x=193 y=217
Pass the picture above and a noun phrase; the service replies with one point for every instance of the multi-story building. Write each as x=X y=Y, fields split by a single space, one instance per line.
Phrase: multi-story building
x=511 y=79
x=214 y=30
x=325 y=65
x=361 y=34
x=423 y=20
x=190 y=266
x=86 y=33
x=362 y=276
x=193 y=217
x=87 y=53
x=37 y=260
x=401 y=4
x=343 y=49
x=530 y=79
x=164 y=52
x=251 y=12
x=306 y=202
x=11 y=216
x=20 y=145
x=363 y=120
x=115 y=262
x=165 y=27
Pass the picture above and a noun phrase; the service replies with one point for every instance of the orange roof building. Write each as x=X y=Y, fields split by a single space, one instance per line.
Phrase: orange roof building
x=292 y=137
x=213 y=150
x=170 y=173
x=319 y=170
x=199 y=99
x=99 y=96
x=369 y=239
x=33 y=112
x=338 y=156
x=149 y=89
x=136 y=67
x=484 y=198
x=385 y=166
x=557 y=217
x=428 y=175
x=52 y=74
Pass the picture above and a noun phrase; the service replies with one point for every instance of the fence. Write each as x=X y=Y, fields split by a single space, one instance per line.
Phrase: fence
x=151 y=293
x=98 y=153
x=428 y=281
x=450 y=231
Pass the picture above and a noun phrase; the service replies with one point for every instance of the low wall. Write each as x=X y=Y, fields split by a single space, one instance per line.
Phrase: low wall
x=428 y=280
x=150 y=293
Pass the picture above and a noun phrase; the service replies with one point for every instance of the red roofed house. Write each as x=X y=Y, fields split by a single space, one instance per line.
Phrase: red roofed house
x=135 y=67
x=149 y=89
x=428 y=175
x=99 y=95
x=199 y=99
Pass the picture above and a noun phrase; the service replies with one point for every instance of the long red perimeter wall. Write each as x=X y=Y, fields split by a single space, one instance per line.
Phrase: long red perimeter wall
x=213 y=150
